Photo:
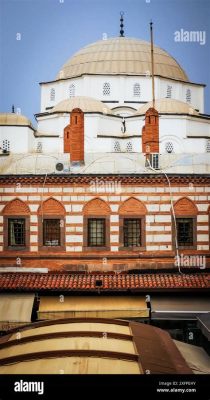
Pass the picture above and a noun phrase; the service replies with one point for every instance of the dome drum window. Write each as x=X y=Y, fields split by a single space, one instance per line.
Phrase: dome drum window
x=169 y=92
x=117 y=147
x=188 y=96
x=208 y=146
x=136 y=90
x=52 y=94
x=72 y=90
x=106 y=89
x=6 y=146
x=39 y=147
x=129 y=147
x=169 y=147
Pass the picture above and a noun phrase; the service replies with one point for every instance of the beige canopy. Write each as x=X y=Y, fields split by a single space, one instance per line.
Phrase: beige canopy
x=97 y=307
x=15 y=310
x=195 y=356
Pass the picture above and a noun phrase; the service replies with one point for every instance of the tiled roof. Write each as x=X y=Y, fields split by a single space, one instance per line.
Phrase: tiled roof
x=106 y=282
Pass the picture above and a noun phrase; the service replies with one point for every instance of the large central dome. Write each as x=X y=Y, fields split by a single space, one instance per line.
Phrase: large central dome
x=124 y=56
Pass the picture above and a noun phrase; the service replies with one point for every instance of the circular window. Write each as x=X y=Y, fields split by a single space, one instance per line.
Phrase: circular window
x=169 y=147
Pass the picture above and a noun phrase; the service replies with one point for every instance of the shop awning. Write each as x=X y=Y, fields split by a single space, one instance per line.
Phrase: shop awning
x=53 y=307
x=15 y=310
x=195 y=356
x=171 y=307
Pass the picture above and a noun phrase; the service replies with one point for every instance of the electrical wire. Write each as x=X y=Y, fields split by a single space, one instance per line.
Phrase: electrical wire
x=173 y=214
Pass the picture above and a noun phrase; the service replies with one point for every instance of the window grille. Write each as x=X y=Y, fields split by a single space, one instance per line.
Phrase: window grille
x=132 y=232
x=51 y=232
x=169 y=92
x=16 y=232
x=184 y=231
x=52 y=94
x=72 y=90
x=96 y=232
x=136 y=90
x=169 y=147
x=106 y=89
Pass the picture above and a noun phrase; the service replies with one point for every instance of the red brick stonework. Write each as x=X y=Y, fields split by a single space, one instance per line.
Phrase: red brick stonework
x=150 y=132
x=74 y=136
x=185 y=207
x=16 y=207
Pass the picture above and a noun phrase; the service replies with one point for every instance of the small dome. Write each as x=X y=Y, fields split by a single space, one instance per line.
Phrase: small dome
x=86 y=104
x=15 y=120
x=168 y=106
x=121 y=56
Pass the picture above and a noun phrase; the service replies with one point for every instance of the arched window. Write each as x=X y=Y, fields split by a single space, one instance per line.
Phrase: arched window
x=96 y=225
x=186 y=223
x=6 y=146
x=72 y=90
x=208 y=146
x=16 y=225
x=129 y=147
x=51 y=225
x=132 y=224
x=136 y=90
x=52 y=94
x=169 y=147
x=188 y=96
x=169 y=92
x=106 y=89
x=117 y=146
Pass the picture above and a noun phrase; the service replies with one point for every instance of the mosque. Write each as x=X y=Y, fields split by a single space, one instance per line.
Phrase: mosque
x=108 y=191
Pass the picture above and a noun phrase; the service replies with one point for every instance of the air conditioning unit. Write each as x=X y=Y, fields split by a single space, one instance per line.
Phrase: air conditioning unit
x=152 y=160
x=61 y=167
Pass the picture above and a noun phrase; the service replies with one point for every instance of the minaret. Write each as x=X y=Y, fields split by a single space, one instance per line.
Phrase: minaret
x=152 y=64
x=122 y=24
x=150 y=131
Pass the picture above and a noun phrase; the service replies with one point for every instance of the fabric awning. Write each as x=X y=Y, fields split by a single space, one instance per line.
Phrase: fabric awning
x=204 y=324
x=195 y=356
x=171 y=307
x=52 y=307
x=15 y=310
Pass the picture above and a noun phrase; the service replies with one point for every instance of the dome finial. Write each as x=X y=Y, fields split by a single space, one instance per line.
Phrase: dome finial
x=121 y=24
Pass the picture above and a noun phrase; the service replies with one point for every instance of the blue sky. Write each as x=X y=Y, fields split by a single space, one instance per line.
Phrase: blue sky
x=52 y=30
